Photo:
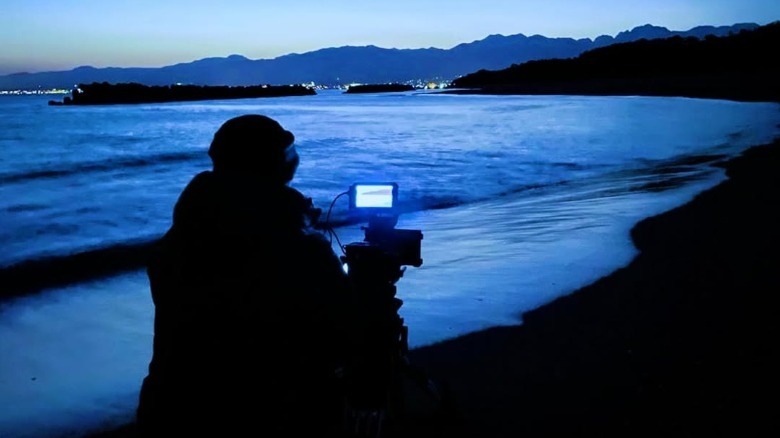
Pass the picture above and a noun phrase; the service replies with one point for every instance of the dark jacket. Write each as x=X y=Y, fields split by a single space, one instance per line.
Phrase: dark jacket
x=253 y=314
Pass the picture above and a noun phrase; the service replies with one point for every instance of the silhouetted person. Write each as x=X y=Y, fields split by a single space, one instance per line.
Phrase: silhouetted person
x=252 y=306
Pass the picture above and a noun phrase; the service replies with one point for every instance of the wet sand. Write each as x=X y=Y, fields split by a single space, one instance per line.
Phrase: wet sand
x=682 y=342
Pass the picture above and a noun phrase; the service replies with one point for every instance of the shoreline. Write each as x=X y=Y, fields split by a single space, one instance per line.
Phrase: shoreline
x=680 y=342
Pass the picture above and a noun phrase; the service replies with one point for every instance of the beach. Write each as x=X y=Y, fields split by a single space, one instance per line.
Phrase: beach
x=680 y=342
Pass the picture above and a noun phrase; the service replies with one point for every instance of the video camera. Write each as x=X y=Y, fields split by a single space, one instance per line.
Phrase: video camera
x=379 y=377
x=378 y=204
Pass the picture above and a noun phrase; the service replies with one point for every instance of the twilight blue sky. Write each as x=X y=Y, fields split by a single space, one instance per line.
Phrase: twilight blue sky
x=46 y=35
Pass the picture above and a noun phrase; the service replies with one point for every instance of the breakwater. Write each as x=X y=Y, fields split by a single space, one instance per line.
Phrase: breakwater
x=104 y=93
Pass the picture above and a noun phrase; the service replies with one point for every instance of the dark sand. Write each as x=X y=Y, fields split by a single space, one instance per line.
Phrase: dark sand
x=681 y=342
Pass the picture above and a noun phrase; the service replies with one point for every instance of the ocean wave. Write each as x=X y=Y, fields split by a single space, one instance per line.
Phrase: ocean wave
x=100 y=166
x=49 y=271
x=37 y=274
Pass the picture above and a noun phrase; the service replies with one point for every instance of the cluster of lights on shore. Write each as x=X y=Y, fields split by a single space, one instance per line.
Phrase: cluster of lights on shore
x=24 y=92
x=430 y=85
x=420 y=85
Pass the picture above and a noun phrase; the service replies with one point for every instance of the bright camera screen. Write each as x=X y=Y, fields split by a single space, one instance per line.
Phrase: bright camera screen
x=374 y=196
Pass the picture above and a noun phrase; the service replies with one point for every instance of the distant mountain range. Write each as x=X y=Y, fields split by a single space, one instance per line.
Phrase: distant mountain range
x=365 y=64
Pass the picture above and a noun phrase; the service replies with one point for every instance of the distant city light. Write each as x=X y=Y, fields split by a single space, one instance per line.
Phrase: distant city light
x=20 y=92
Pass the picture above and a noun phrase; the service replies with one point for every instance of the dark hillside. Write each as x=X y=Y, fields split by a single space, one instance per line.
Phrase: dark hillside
x=739 y=66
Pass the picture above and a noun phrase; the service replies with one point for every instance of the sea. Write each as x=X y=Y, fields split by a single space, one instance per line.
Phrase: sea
x=519 y=199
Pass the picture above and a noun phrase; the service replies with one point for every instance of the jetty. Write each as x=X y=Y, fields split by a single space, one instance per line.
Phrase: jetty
x=104 y=93
x=378 y=88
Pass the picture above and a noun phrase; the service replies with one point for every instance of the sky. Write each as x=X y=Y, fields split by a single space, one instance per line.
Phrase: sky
x=53 y=35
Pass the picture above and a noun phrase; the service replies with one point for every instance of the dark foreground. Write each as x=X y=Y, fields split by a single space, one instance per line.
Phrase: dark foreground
x=682 y=342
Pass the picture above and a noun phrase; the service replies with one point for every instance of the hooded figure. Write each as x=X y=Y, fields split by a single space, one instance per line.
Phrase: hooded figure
x=252 y=306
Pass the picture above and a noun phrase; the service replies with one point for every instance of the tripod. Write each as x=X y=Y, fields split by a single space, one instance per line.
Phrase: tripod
x=379 y=389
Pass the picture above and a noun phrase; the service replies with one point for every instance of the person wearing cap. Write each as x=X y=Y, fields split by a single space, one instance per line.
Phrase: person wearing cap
x=252 y=307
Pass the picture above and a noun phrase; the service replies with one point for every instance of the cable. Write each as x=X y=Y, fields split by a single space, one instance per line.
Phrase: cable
x=327 y=226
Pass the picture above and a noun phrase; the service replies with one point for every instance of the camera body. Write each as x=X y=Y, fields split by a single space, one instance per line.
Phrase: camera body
x=378 y=204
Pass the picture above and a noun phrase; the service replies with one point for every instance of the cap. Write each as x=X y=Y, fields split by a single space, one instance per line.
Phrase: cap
x=254 y=143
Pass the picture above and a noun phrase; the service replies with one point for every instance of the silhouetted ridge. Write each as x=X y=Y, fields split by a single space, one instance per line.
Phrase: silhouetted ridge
x=105 y=93
x=738 y=66
x=340 y=66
